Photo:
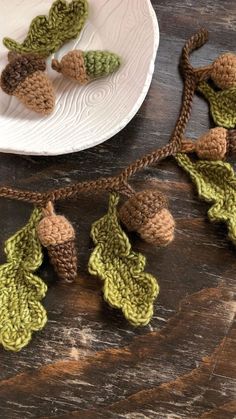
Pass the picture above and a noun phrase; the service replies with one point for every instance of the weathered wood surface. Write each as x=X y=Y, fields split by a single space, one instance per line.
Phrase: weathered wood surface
x=88 y=362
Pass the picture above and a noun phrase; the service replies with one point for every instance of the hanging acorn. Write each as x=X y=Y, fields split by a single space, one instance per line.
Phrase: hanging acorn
x=146 y=212
x=223 y=71
x=57 y=234
x=84 y=66
x=211 y=146
x=24 y=77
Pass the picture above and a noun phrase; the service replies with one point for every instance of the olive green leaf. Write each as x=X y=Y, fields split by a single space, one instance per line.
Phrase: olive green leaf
x=20 y=290
x=222 y=104
x=126 y=285
x=47 y=34
x=216 y=183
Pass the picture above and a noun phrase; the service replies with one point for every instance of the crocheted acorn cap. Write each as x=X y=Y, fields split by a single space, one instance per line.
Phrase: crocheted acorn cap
x=19 y=68
x=54 y=230
x=223 y=71
x=84 y=66
x=24 y=78
x=146 y=212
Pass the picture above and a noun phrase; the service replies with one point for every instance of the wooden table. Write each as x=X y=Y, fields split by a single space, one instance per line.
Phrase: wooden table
x=88 y=362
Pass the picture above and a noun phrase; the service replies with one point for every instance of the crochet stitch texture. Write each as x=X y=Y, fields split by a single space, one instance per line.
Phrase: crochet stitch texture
x=47 y=34
x=20 y=290
x=126 y=285
x=25 y=78
x=84 y=66
x=216 y=183
x=222 y=104
x=57 y=234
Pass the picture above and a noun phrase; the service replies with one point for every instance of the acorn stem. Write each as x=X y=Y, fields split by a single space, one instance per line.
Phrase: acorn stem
x=49 y=209
x=188 y=146
x=203 y=73
x=56 y=65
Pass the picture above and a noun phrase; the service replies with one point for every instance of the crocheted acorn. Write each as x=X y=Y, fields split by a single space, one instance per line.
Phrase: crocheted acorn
x=86 y=66
x=146 y=212
x=57 y=234
x=25 y=78
x=223 y=71
x=211 y=146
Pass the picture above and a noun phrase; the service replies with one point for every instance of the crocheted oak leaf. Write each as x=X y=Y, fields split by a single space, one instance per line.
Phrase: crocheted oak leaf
x=21 y=312
x=126 y=285
x=48 y=33
x=222 y=104
x=216 y=183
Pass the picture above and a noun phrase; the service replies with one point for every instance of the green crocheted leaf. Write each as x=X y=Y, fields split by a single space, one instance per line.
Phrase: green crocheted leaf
x=216 y=183
x=47 y=34
x=20 y=290
x=126 y=285
x=222 y=105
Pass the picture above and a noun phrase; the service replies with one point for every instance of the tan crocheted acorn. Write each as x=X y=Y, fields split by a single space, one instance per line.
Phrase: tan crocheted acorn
x=223 y=71
x=146 y=212
x=57 y=234
x=211 y=146
x=25 y=78
x=84 y=66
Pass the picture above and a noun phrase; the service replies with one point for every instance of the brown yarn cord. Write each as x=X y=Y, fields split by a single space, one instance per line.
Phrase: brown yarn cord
x=119 y=183
x=231 y=137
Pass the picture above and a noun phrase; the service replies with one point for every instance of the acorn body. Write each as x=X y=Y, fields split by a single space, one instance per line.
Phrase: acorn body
x=86 y=66
x=214 y=145
x=57 y=234
x=223 y=71
x=146 y=212
x=25 y=78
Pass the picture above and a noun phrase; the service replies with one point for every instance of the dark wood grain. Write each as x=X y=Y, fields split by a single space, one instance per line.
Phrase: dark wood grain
x=88 y=362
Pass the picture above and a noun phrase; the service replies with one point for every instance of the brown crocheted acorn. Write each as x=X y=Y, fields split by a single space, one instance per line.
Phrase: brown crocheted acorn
x=211 y=146
x=84 y=66
x=223 y=71
x=146 y=212
x=57 y=234
x=25 y=78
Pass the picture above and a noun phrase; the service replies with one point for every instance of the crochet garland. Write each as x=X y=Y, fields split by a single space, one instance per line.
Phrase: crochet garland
x=125 y=284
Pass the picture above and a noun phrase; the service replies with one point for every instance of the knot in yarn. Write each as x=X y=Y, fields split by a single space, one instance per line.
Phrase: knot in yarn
x=224 y=71
x=146 y=212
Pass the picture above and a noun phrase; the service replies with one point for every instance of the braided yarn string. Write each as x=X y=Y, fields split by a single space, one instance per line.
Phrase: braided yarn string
x=20 y=290
x=216 y=183
x=119 y=183
x=125 y=284
x=47 y=34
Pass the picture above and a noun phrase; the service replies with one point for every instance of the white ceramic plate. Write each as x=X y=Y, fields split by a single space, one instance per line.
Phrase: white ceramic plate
x=88 y=115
